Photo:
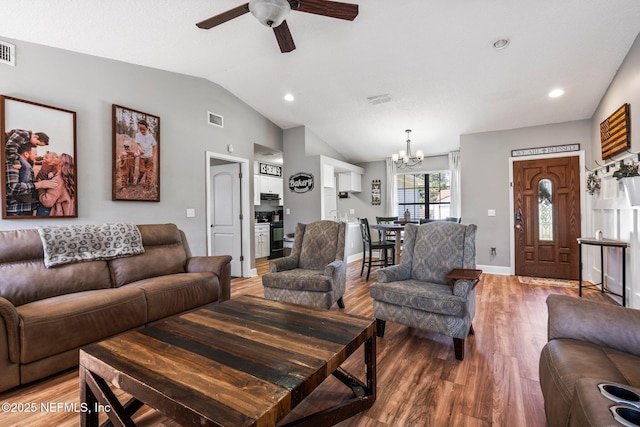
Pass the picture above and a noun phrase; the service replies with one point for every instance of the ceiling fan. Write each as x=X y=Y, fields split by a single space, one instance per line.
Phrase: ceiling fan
x=273 y=13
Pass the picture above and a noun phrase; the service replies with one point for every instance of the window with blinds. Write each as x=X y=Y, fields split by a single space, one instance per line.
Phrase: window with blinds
x=425 y=195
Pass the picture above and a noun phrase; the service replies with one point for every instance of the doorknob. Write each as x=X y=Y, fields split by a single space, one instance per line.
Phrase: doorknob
x=519 y=221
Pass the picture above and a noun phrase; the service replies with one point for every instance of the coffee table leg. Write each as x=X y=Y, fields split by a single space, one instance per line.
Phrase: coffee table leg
x=95 y=394
x=371 y=364
x=364 y=398
x=88 y=418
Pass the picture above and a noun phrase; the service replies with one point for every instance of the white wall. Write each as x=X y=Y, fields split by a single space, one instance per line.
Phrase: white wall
x=609 y=210
x=90 y=85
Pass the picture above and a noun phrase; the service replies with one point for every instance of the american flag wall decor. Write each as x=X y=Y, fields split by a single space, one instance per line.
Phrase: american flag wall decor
x=615 y=132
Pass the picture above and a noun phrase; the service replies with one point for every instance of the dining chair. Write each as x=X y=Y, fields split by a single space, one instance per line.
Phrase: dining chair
x=368 y=246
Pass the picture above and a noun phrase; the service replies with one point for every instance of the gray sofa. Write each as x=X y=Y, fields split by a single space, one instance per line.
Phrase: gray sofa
x=588 y=343
x=47 y=314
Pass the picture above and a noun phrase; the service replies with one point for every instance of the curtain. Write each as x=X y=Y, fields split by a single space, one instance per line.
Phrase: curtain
x=391 y=197
x=454 y=167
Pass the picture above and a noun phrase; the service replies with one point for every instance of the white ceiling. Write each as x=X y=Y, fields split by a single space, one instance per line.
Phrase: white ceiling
x=434 y=58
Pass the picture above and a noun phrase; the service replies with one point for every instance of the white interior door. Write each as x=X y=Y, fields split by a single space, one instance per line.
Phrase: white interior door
x=226 y=234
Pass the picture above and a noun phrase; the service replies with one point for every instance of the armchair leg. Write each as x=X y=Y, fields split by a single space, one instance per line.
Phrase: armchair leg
x=458 y=348
x=380 y=324
x=340 y=302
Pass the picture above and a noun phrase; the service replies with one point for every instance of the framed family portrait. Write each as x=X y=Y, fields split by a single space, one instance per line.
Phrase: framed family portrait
x=136 y=155
x=39 y=166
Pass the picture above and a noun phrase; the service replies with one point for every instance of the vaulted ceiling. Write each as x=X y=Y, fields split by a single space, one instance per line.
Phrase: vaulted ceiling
x=433 y=58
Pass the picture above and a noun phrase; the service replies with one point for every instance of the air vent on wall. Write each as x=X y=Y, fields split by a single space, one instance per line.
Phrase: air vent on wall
x=7 y=53
x=215 y=119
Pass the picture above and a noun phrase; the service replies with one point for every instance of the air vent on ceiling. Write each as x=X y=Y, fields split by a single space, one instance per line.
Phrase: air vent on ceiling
x=379 y=99
x=215 y=119
x=7 y=53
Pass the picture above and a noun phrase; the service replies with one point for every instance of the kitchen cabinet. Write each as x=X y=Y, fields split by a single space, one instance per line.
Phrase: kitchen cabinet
x=350 y=181
x=328 y=178
x=261 y=241
x=272 y=185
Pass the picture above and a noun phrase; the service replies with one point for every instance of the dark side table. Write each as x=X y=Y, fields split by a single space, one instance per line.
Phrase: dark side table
x=464 y=274
x=604 y=243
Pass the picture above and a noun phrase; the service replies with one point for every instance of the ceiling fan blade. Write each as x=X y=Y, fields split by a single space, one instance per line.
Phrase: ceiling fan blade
x=332 y=9
x=223 y=17
x=283 y=35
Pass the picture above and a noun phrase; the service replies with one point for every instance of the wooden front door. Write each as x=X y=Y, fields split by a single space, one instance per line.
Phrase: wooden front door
x=546 y=194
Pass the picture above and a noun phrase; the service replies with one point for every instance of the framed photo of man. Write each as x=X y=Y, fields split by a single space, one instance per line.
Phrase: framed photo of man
x=136 y=155
x=39 y=166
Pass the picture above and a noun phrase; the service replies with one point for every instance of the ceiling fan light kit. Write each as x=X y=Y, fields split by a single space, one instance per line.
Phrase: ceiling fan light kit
x=270 y=13
x=273 y=14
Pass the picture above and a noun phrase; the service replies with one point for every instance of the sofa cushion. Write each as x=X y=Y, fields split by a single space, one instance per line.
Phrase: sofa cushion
x=567 y=360
x=415 y=294
x=57 y=324
x=24 y=277
x=298 y=279
x=175 y=293
x=164 y=254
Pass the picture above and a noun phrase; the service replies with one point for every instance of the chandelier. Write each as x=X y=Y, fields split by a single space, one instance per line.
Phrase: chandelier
x=404 y=159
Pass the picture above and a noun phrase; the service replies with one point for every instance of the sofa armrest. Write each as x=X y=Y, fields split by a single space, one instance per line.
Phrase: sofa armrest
x=283 y=264
x=394 y=273
x=219 y=265
x=12 y=321
x=600 y=324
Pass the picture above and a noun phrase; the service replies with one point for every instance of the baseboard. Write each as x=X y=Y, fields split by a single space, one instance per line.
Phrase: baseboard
x=354 y=257
x=253 y=272
x=494 y=269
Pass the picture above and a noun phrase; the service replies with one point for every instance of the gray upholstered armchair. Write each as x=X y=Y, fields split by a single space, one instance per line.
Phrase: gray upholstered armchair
x=417 y=293
x=315 y=272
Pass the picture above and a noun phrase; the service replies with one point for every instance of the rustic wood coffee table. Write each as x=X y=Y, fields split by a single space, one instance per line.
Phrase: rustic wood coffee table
x=245 y=362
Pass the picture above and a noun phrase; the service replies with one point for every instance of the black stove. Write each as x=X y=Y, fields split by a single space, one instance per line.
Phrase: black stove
x=277 y=240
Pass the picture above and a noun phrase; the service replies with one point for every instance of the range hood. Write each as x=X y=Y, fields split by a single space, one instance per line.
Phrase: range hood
x=269 y=196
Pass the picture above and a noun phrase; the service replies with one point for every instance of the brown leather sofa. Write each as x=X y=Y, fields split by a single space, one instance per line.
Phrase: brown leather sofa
x=46 y=315
x=588 y=343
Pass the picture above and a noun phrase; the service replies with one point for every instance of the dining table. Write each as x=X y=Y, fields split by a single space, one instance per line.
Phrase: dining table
x=398 y=228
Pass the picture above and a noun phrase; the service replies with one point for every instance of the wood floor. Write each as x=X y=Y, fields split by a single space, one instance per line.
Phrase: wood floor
x=420 y=383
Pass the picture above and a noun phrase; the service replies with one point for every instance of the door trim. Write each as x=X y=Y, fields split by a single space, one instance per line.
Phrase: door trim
x=583 y=213
x=244 y=190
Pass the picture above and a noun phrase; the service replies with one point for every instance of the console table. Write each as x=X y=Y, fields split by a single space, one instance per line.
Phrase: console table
x=604 y=243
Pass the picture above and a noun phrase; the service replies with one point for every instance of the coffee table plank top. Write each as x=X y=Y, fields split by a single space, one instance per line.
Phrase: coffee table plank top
x=247 y=361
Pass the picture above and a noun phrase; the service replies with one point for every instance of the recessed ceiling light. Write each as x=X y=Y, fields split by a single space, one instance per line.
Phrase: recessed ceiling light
x=556 y=93
x=501 y=44
x=289 y=97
